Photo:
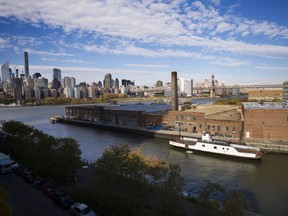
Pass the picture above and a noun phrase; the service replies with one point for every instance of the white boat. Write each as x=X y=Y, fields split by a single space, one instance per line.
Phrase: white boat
x=206 y=144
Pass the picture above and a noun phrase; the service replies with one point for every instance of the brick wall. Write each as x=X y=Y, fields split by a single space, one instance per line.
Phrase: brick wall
x=266 y=124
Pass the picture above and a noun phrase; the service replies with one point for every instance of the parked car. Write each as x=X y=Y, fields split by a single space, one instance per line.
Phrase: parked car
x=62 y=199
x=81 y=209
x=18 y=170
x=48 y=190
x=28 y=176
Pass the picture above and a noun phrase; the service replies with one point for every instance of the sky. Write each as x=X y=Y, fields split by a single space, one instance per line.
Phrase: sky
x=238 y=41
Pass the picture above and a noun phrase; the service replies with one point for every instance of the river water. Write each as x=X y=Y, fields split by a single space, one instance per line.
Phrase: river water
x=264 y=182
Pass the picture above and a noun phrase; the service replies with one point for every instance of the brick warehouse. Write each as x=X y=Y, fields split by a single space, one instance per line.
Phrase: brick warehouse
x=219 y=120
x=266 y=121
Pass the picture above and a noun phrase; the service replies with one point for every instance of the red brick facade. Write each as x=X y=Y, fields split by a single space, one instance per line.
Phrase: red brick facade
x=268 y=124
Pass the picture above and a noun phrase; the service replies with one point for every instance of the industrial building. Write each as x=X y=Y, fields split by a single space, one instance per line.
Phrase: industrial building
x=266 y=121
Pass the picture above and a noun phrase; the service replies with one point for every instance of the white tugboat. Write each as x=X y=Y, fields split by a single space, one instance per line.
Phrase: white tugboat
x=206 y=144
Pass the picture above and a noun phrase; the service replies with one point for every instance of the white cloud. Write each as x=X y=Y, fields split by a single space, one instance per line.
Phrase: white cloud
x=3 y=43
x=272 y=68
x=151 y=28
x=46 y=53
x=148 y=65
x=63 y=60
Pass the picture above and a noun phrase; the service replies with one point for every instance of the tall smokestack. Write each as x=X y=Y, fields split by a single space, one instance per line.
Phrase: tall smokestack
x=174 y=91
x=26 y=65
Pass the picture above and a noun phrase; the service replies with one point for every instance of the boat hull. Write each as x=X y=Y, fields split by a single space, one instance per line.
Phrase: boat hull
x=228 y=150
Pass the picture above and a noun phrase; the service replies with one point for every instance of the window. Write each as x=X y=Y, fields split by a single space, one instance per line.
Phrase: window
x=182 y=118
x=213 y=127
x=176 y=117
x=218 y=128
x=209 y=127
x=188 y=118
x=194 y=118
x=233 y=129
x=227 y=128
x=200 y=126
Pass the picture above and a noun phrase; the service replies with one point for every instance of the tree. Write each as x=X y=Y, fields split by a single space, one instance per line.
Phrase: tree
x=51 y=158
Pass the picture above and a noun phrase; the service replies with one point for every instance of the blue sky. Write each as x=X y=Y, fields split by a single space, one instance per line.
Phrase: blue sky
x=239 y=41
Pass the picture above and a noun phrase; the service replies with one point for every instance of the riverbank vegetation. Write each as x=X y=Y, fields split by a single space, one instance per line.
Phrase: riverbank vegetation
x=230 y=101
x=55 y=159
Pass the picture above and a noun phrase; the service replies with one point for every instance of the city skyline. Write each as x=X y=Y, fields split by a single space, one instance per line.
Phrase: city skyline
x=238 y=42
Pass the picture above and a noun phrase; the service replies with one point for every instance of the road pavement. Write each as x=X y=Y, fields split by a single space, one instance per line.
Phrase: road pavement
x=25 y=200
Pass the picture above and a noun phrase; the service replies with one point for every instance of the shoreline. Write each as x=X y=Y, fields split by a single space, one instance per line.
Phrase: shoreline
x=264 y=145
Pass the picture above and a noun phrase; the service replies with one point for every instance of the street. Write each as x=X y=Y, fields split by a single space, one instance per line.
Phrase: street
x=26 y=200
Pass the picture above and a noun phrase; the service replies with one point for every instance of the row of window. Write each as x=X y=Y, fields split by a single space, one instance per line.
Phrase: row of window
x=188 y=118
x=218 y=127
x=215 y=147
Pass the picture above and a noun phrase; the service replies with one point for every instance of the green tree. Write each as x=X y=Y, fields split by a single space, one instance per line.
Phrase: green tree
x=51 y=158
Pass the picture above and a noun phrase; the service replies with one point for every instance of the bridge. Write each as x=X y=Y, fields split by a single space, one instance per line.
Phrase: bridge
x=197 y=87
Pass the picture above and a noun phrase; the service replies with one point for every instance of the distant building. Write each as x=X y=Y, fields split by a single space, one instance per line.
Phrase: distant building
x=285 y=91
x=186 y=86
x=265 y=94
x=100 y=84
x=69 y=92
x=91 y=92
x=56 y=74
x=36 y=75
x=77 y=92
x=68 y=82
x=26 y=65
x=116 y=83
x=4 y=74
x=41 y=83
x=127 y=82
x=56 y=84
x=159 y=83
x=108 y=81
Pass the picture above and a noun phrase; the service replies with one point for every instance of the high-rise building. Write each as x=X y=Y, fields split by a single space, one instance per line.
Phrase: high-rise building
x=186 y=86
x=285 y=91
x=108 y=81
x=116 y=83
x=26 y=65
x=36 y=75
x=4 y=74
x=56 y=74
x=68 y=82
x=127 y=82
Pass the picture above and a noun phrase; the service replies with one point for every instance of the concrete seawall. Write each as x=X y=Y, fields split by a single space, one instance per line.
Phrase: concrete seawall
x=267 y=146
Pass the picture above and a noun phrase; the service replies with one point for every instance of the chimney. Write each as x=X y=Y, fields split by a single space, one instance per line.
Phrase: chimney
x=174 y=91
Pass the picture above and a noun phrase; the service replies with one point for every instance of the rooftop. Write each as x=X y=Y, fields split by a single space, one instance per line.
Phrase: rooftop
x=212 y=109
x=266 y=105
x=148 y=108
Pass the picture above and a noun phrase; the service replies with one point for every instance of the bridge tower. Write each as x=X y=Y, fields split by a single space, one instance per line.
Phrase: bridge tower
x=212 y=90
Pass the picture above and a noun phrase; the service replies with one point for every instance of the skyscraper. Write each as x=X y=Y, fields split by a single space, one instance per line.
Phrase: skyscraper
x=108 y=81
x=186 y=86
x=116 y=83
x=26 y=65
x=4 y=74
x=56 y=74
x=68 y=82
